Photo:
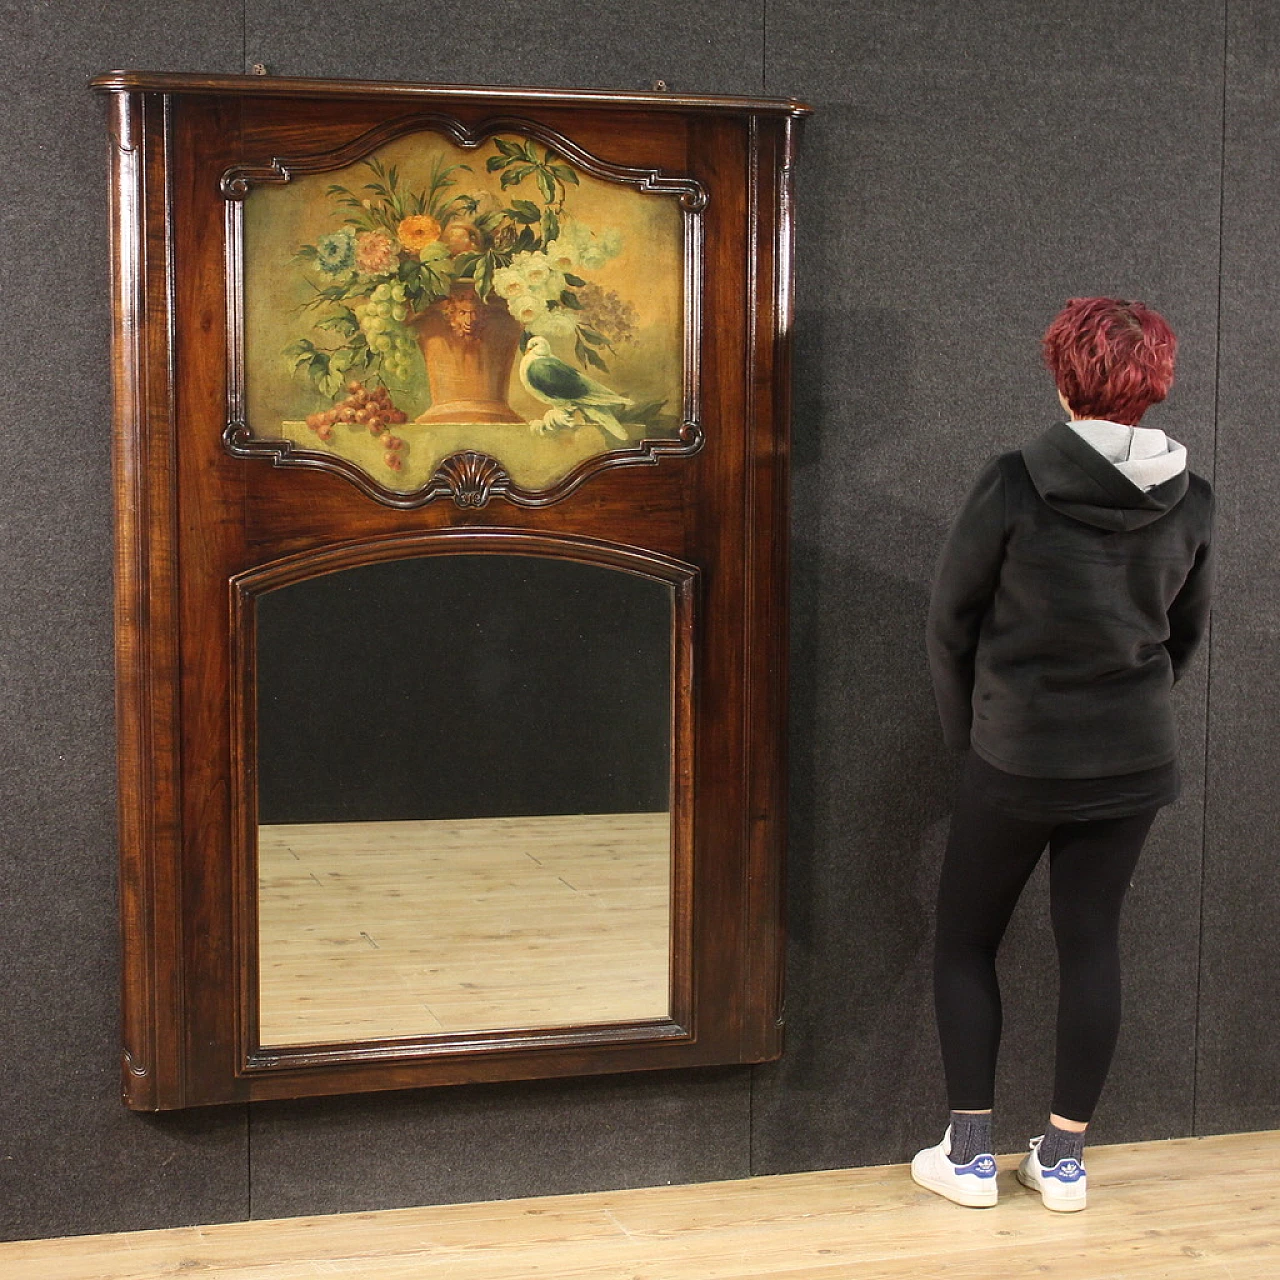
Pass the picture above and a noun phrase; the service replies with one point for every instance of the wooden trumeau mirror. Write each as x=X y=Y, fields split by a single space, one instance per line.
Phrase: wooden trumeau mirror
x=451 y=443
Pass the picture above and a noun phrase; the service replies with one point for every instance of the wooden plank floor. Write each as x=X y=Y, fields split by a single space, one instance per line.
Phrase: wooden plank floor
x=1183 y=1210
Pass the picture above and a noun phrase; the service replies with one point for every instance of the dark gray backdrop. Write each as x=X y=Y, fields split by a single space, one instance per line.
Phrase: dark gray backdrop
x=968 y=168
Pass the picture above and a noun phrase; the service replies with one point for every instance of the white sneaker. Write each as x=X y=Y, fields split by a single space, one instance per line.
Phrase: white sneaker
x=1062 y=1188
x=972 y=1184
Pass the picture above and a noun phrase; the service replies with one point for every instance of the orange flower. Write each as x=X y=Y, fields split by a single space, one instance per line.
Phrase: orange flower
x=418 y=231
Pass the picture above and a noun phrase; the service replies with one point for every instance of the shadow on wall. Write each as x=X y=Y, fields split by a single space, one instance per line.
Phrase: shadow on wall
x=871 y=782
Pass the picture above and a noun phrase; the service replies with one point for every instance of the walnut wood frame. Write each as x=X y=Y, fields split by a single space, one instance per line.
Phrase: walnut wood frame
x=201 y=530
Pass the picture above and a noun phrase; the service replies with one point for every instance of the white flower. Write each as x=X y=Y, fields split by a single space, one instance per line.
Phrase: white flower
x=553 y=324
x=592 y=250
x=527 y=309
x=562 y=254
x=508 y=283
x=536 y=274
x=546 y=284
x=531 y=265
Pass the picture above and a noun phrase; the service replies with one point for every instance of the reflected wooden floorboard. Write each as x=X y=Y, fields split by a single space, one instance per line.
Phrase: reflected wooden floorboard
x=377 y=929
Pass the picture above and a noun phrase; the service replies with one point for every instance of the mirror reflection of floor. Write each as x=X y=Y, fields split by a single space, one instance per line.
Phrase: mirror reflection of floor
x=377 y=929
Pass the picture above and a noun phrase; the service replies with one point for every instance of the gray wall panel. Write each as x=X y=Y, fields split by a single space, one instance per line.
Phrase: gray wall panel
x=1239 y=1076
x=494 y=1142
x=72 y=1158
x=967 y=170
x=706 y=48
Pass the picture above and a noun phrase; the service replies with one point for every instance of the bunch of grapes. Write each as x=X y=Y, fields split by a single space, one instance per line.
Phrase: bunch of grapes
x=369 y=408
x=382 y=321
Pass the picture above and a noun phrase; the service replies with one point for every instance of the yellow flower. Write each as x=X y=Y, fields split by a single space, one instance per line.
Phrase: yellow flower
x=418 y=231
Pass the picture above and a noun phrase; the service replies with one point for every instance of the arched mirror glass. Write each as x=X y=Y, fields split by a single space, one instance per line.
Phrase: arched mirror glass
x=463 y=798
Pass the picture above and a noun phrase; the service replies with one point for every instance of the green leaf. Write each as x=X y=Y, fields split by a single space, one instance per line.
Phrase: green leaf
x=526 y=240
x=594 y=359
x=507 y=148
x=547 y=184
x=525 y=211
x=570 y=300
x=596 y=339
x=436 y=285
x=565 y=174
x=344 y=323
x=494 y=163
x=551 y=226
x=576 y=281
x=484 y=276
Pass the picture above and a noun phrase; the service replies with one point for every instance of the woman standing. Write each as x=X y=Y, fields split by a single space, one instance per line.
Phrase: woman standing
x=1071 y=593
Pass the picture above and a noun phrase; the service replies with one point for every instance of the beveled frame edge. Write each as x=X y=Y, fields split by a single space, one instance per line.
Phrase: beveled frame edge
x=410 y=1052
x=493 y=480
x=767 y=641
x=145 y=613
x=305 y=86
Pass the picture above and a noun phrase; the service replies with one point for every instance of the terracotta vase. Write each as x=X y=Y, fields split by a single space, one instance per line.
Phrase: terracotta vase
x=469 y=347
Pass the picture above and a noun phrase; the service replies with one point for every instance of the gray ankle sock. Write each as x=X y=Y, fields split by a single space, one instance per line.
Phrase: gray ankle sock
x=1060 y=1144
x=970 y=1136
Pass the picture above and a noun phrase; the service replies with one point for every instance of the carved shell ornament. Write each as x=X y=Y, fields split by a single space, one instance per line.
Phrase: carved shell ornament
x=471 y=477
x=438 y=294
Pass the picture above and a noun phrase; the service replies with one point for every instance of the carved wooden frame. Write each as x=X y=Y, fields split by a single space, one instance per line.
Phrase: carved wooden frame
x=245 y=588
x=200 y=528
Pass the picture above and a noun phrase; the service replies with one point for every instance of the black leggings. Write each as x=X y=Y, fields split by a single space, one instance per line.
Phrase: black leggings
x=989 y=858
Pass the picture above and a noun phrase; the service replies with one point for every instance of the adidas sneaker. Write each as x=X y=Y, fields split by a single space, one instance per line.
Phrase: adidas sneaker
x=1062 y=1188
x=972 y=1184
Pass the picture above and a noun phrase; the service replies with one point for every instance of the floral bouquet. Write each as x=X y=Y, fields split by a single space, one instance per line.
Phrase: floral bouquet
x=397 y=252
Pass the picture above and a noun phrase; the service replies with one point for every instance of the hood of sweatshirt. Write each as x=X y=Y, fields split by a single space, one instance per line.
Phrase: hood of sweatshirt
x=1145 y=454
x=1074 y=478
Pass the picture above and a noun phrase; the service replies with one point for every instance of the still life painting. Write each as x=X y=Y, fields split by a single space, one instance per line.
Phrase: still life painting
x=430 y=299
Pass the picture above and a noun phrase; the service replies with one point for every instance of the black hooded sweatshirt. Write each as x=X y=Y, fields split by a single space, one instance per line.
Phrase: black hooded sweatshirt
x=1067 y=603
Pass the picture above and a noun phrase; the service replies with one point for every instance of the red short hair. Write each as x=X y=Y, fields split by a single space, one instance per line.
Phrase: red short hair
x=1110 y=358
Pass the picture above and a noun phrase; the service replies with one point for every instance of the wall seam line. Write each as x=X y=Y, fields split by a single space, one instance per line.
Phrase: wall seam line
x=764 y=46
x=1208 y=696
